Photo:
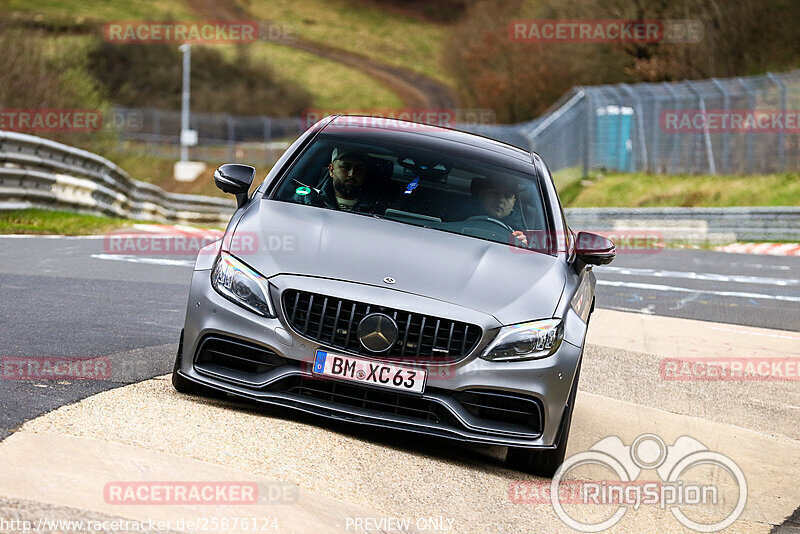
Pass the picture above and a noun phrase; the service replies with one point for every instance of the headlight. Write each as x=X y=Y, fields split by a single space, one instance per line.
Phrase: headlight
x=526 y=341
x=242 y=285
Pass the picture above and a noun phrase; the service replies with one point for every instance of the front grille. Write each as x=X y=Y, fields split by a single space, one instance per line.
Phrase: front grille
x=502 y=407
x=387 y=402
x=334 y=321
x=217 y=353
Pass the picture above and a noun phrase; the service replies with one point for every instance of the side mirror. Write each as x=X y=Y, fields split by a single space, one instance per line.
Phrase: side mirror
x=236 y=179
x=594 y=249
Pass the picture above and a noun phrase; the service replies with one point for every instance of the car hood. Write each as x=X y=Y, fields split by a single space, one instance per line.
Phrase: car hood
x=511 y=284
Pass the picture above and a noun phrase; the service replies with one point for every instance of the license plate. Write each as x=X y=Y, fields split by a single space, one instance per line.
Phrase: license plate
x=369 y=372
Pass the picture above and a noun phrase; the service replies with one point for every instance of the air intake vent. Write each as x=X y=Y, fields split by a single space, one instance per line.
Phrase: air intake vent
x=502 y=407
x=373 y=399
x=221 y=352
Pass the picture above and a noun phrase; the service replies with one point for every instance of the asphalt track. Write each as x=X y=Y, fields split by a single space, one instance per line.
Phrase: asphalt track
x=69 y=297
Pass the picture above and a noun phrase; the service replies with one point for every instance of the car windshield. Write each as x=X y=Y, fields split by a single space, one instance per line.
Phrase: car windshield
x=460 y=192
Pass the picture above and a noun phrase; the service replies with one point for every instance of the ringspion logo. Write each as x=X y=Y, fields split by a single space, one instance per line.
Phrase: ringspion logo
x=603 y=503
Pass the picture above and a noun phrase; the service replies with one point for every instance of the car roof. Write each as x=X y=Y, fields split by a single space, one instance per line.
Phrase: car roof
x=440 y=132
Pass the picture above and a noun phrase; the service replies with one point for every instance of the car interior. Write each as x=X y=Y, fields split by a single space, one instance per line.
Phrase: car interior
x=425 y=189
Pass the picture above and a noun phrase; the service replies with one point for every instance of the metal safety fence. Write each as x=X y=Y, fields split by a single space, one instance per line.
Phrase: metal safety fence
x=39 y=173
x=743 y=125
x=220 y=137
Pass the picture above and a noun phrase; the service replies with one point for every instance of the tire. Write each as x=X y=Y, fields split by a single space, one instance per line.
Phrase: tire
x=184 y=385
x=546 y=463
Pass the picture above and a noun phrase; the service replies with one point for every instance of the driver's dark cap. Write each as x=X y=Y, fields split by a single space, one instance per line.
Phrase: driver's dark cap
x=349 y=154
x=480 y=184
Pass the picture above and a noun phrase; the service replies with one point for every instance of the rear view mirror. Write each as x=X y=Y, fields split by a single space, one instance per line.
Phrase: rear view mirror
x=236 y=179
x=594 y=249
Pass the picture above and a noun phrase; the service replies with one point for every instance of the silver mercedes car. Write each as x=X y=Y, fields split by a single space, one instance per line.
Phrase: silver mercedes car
x=401 y=276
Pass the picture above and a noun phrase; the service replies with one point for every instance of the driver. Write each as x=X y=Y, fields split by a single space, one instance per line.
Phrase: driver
x=497 y=199
x=343 y=187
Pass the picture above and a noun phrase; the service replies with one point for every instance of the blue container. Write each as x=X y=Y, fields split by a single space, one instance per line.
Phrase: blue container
x=612 y=146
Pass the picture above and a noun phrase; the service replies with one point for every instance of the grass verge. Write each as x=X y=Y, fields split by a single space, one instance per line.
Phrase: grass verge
x=331 y=84
x=40 y=221
x=363 y=28
x=639 y=190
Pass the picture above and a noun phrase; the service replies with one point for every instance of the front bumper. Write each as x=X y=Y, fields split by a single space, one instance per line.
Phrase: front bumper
x=289 y=383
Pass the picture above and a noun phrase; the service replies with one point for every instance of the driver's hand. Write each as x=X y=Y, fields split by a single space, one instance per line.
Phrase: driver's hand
x=521 y=236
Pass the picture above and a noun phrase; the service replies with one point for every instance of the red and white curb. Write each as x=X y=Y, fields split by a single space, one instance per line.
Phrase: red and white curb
x=770 y=249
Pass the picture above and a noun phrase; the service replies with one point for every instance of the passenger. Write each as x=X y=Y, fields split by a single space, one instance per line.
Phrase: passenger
x=497 y=199
x=344 y=187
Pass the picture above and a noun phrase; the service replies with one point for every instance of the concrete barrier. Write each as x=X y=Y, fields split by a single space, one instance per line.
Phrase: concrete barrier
x=695 y=225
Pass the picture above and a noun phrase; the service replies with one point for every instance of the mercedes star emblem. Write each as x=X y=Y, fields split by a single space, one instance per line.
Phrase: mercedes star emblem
x=377 y=332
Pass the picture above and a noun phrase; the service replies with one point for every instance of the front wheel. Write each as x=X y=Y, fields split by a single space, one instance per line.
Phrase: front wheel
x=546 y=463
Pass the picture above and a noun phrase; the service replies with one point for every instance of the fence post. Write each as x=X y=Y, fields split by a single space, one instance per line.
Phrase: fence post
x=156 y=138
x=673 y=151
x=639 y=116
x=231 y=140
x=588 y=137
x=781 y=154
x=265 y=122
x=654 y=130
x=712 y=168
x=751 y=101
x=726 y=136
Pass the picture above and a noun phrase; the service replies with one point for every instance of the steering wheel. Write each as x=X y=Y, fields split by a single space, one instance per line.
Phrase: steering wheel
x=486 y=218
